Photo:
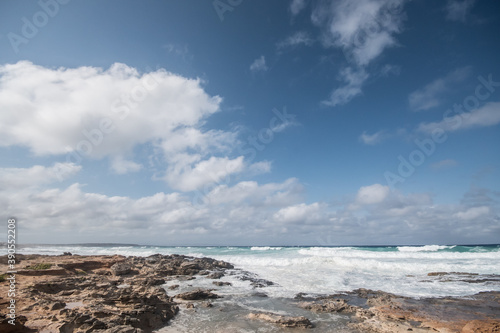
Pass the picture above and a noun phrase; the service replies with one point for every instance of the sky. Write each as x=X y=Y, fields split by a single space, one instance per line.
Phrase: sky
x=238 y=122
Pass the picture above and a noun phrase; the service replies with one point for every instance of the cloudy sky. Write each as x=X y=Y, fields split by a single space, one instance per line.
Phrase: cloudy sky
x=251 y=122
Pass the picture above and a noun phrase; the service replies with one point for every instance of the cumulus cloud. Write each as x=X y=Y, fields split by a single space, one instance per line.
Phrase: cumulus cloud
x=372 y=194
x=122 y=166
x=246 y=212
x=487 y=115
x=433 y=94
x=20 y=178
x=259 y=64
x=88 y=112
x=301 y=213
x=473 y=213
x=458 y=10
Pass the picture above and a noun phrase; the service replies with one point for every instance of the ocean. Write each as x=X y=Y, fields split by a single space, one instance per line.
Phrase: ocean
x=402 y=270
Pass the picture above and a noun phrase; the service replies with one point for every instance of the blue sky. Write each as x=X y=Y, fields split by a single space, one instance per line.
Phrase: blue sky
x=251 y=122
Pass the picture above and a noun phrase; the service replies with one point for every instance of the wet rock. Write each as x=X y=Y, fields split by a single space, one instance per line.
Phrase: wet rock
x=197 y=295
x=337 y=305
x=121 y=268
x=283 y=321
x=215 y=275
x=220 y=283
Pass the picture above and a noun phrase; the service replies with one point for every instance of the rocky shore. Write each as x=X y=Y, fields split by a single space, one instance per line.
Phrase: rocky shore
x=72 y=293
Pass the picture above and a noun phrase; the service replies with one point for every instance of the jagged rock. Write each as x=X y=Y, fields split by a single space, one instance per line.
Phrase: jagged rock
x=57 y=306
x=215 y=275
x=121 y=268
x=197 y=295
x=337 y=305
x=220 y=283
x=283 y=321
x=121 y=329
x=207 y=304
x=106 y=298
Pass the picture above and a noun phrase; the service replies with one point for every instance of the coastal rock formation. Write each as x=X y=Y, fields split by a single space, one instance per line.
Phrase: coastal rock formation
x=118 y=294
x=283 y=321
x=197 y=295
x=381 y=312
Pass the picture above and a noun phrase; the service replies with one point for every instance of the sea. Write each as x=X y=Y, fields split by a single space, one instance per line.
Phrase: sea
x=313 y=271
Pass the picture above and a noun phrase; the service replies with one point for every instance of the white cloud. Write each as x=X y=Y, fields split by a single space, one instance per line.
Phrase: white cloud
x=298 y=38
x=432 y=95
x=458 y=10
x=259 y=64
x=20 y=178
x=487 y=115
x=354 y=80
x=300 y=213
x=88 y=112
x=247 y=212
x=473 y=213
x=372 y=139
x=49 y=110
x=189 y=176
x=122 y=166
x=363 y=29
x=373 y=194
x=296 y=6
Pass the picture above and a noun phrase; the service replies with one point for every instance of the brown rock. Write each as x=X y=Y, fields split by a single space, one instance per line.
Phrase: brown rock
x=121 y=268
x=283 y=321
x=197 y=295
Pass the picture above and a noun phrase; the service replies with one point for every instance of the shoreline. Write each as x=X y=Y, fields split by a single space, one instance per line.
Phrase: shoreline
x=114 y=293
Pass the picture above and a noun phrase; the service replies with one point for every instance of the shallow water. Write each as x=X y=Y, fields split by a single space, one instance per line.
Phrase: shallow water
x=229 y=314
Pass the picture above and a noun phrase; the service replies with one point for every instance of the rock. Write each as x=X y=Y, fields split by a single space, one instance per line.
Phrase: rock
x=258 y=294
x=117 y=294
x=481 y=326
x=197 y=295
x=122 y=329
x=283 y=321
x=121 y=268
x=337 y=305
x=67 y=254
x=173 y=287
x=220 y=283
x=190 y=306
x=215 y=275
x=57 y=306
x=207 y=304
